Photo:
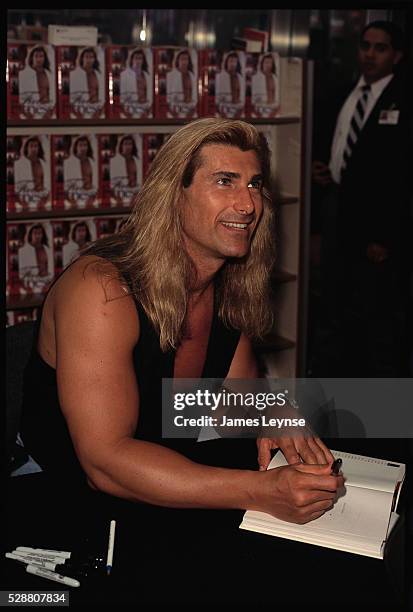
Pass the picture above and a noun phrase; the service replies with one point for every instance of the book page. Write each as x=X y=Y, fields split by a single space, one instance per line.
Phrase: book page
x=369 y=472
x=361 y=471
x=360 y=514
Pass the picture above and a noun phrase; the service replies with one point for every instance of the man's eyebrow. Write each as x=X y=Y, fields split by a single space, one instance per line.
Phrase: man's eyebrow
x=255 y=177
x=226 y=174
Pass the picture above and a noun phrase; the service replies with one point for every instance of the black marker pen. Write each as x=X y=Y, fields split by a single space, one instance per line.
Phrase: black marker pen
x=335 y=468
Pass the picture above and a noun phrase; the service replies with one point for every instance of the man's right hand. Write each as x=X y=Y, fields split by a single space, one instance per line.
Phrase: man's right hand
x=298 y=493
x=321 y=173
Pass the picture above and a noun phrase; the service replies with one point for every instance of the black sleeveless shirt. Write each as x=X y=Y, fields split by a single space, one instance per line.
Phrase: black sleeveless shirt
x=45 y=433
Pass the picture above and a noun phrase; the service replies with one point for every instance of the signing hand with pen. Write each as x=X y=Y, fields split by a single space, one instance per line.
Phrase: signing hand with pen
x=297 y=493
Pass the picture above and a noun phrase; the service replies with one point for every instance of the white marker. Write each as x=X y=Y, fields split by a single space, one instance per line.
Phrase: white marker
x=111 y=545
x=31 y=560
x=43 y=558
x=44 y=573
x=39 y=551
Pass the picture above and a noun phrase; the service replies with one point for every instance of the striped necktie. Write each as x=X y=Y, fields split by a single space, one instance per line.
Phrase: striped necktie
x=356 y=125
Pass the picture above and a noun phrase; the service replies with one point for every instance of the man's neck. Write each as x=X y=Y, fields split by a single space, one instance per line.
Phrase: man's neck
x=202 y=282
x=371 y=81
x=200 y=294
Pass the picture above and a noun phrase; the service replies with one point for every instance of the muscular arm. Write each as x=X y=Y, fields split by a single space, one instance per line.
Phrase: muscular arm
x=97 y=328
x=100 y=400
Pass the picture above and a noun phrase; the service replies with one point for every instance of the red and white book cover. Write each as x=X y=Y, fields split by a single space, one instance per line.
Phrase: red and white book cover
x=81 y=80
x=130 y=82
x=120 y=158
x=107 y=226
x=223 y=83
x=31 y=81
x=176 y=83
x=30 y=260
x=151 y=145
x=230 y=86
x=70 y=236
x=29 y=187
x=263 y=85
x=75 y=171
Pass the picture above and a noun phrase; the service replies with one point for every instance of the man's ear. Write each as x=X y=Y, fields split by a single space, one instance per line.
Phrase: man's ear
x=398 y=56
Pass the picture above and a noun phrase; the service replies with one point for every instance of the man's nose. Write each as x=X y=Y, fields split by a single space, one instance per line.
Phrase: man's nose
x=244 y=203
x=370 y=51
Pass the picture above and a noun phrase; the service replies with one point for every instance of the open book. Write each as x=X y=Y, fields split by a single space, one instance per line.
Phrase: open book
x=362 y=517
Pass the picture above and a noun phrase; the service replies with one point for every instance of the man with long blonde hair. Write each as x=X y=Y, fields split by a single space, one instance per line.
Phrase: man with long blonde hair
x=179 y=292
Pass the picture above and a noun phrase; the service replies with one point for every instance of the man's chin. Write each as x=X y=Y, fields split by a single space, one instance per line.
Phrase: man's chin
x=237 y=254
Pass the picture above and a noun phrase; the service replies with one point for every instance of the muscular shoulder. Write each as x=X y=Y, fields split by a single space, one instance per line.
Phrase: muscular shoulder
x=91 y=294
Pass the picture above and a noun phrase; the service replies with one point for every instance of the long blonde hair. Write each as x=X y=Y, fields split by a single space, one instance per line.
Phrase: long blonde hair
x=149 y=251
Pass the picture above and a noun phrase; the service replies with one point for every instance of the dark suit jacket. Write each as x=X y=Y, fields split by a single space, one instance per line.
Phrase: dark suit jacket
x=373 y=194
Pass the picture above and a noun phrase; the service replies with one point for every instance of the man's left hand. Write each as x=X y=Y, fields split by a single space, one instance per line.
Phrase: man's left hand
x=308 y=449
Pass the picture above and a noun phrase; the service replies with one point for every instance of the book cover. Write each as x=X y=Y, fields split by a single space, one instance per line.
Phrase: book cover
x=230 y=86
x=120 y=171
x=30 y=259
x=81 y=82
x=176 y=83
x=31 y=81
x=75 y=171
x=28 y=177
x=130 y=82
x=263 y=85
x=151 y=145
x=69 y=237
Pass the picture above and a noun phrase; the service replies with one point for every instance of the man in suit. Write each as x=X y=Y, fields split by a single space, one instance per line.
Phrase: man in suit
x=366 y=184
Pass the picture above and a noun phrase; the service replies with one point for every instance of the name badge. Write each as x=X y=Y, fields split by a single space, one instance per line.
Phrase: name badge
x=389 y=117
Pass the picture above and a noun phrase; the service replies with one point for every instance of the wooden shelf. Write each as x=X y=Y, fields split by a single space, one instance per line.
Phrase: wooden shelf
x=285 y=200
x=68 y=213
x=286 y=119
x=20 y=302
x=273 y=343
x=281 y=276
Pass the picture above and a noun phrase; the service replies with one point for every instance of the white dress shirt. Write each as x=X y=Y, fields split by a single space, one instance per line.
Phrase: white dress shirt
x=344 y=119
